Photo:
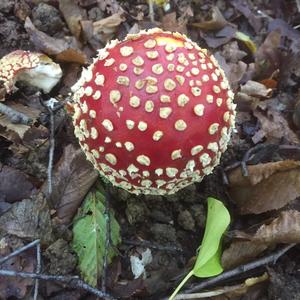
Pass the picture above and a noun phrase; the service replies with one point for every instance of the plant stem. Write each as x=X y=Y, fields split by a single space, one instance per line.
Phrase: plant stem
x=182 y=283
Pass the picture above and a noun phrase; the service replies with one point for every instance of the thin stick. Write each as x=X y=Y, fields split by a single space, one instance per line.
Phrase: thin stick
x=107 y=239
x=38 y=270
x=272 y=258
x=69 y=280
x=151 y=11
x=51 y=150
x=19 y=251
x=15 y=116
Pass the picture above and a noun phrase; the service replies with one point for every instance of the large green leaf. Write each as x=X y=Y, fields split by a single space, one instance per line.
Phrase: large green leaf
x=89 y=233
x=208 y=261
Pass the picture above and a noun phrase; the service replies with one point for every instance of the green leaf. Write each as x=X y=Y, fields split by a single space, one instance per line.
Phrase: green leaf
x=246 y=40
x=89 y=233
x=208 y=260
x=209 y=257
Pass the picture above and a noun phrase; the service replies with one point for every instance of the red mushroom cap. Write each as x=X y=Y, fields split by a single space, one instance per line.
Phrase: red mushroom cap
x=154 y=112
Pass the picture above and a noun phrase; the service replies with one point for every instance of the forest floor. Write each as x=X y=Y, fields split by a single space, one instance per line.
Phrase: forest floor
x=257 y=43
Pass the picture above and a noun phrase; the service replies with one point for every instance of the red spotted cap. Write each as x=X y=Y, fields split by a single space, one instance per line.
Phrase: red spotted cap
x=154 y=112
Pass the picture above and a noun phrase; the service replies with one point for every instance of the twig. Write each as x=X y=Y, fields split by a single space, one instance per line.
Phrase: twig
x=151 y=245
x=19 y=251
x=107 y=239
x=272 y=258
x=15 y=116
x=71 y=281
x=38 y=270
x=151 y=11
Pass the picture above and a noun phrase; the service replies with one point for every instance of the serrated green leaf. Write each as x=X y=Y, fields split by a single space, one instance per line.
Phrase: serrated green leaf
x=89 y=233
x=208 y=260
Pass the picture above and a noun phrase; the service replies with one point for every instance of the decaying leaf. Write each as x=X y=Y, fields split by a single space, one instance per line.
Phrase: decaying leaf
x=240 y=252
x=284 y=229
x=169 y=22
x=89 y=237
x=269 y=186
x=25 y=262
x=274 y=127
x=60 y=48
x=29 y=218
x=10 y=177
x=72 y=178
x=267 y=57
x=73 y=14
x=216 y=22
x=106 y=28
x=19 y=129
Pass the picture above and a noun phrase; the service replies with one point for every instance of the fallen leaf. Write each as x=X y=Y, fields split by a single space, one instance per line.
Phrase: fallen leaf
x=11 y=178
x=267 y=56
x=256 y=89
x=24 y=262
x=73 y=14
x=138 y=264
x=216 y=22
x=72 y=178
x=247 y=9
x=89 y=235
x=19 y=129
x=60 y=48
x=169 y=22
x=269 y=186
x=29 y=218
x=246 y=40
x=241 y=252
x=111 y=6
x=274 y=127
x=283 y=229
x=105 y=29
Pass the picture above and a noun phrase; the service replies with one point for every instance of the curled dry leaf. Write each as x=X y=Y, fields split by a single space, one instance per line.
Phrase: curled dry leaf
x=73 y=14
x=255 y=89
x=269 y=186
x=60 y=48
x=105 y=29
x=216 y=22
x=284 y=229
x=274 y=127
x=72 y=178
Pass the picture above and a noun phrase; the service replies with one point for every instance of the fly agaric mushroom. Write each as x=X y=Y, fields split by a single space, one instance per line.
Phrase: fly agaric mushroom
x=154 y=112
x=35 y=69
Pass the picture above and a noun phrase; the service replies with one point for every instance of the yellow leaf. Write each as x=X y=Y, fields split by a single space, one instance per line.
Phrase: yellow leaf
x=246 y=40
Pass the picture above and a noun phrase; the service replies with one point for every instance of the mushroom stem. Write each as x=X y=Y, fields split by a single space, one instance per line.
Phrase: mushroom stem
x=15 y=117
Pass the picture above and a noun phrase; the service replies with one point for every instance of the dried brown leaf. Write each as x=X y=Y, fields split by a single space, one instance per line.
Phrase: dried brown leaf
x=284 y=229
x=29 y=218
x=274 y=127
x=105 y=29
x=73 y=14
x=256 y=89
x=19 y=129
x=60 y=48
x=9 y=179
x=15 y=287
x=72 y=178
x=267 y=56
x=216 y=22
x=269 y=186
x=169 y=22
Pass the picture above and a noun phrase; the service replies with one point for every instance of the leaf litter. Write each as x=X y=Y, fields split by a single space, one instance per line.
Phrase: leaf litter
x=258 y=46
